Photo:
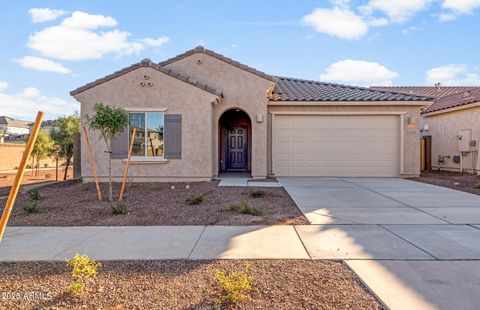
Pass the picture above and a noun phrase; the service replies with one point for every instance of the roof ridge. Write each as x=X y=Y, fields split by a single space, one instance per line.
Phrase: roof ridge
x=146 y=62
x=201 y=49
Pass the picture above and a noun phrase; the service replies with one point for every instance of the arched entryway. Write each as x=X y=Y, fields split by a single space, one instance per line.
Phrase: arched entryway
x=235 y=136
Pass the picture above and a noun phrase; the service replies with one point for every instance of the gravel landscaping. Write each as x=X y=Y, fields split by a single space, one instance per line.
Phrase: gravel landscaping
x=76 y=204
x=179 y=284
x=460 y=181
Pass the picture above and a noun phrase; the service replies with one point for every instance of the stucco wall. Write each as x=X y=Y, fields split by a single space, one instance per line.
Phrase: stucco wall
x=444 y=129
x=241 y=89
x=11 y=155
x=176 y=97
x=411 y=131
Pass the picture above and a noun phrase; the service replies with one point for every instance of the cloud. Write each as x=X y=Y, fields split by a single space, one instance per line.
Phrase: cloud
x=42 y=64
x=461 y=6
x=155 y=42
x=409 y=30
x=453 y=74
x=446 y=17
x=359 y=72
x=40 y=15
x=27 y=103
x=397 y=11
x=77 y=38
x=338 y=22
x=3 y=85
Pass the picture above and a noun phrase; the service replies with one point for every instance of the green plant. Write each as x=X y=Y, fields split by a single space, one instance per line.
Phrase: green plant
x=63 y=134
x=31 y=207
x=83 y=270
x=234 y=285
x=118 y=208
x=45 y=165
x=109 y=121
x=195 y=200
x=257 y=193
x=244 y=208
x=26 y=167
x=477 y=186
x=4 y=176
x=15 y=168
x=33 y=194
x=41 y=149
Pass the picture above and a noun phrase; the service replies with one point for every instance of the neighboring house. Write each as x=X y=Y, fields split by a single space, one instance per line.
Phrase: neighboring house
x=48 y=125
x=13 y=128
x=200 y=114
x=453 y=123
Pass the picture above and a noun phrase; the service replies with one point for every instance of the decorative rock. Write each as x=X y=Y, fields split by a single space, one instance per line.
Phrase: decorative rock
x=187 y=187
x=173 y=187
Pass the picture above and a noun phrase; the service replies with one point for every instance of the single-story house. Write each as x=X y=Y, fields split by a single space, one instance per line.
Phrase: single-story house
x=200 y=114
x=12 y=128
x=452 y=123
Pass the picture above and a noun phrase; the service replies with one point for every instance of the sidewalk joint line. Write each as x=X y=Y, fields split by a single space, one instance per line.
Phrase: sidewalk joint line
x=301 y=241
x=195 y=245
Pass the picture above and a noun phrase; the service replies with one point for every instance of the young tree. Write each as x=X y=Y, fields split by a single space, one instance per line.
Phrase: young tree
x=109 y=121
x=63 y=134
x=42 y=148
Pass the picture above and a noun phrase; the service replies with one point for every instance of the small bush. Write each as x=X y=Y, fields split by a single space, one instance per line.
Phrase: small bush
x=234 y=285
x=84 y=269
x=3 y=176
x=31 y=207
x=477 y=186
x=195 y=200
x=15 y=168
x=244 y=208
x=26 y=167
x=48 y=176
x=257 y=193
x=45 y=165
x=33 y=194
x=118 y=208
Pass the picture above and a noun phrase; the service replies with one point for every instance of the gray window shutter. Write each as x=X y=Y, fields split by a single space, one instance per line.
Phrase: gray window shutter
x=173 y=136
x=119 y=145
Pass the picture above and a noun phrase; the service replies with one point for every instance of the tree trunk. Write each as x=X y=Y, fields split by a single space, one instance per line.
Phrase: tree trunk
x=110 y=177
x=66 y=169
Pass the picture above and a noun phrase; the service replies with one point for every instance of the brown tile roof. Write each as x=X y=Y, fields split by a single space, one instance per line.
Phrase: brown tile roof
x=290 y=89
x=148 y=63
x=431 y=91
x=447 y=96
x=454 y=100
x=5 y=120
x=201 y=49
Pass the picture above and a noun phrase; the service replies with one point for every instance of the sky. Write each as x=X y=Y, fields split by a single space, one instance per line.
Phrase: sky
x=48 y=48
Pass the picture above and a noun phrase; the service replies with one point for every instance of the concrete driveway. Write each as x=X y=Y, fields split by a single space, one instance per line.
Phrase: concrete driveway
x=417 y=246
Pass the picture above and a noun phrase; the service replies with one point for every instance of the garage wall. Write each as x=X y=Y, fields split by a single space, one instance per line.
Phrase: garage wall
x=410 y=130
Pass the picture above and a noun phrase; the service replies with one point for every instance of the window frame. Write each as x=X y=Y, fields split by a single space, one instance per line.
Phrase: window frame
x=146 y=157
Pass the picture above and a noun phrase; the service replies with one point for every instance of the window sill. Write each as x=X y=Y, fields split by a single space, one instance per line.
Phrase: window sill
x=139 y=161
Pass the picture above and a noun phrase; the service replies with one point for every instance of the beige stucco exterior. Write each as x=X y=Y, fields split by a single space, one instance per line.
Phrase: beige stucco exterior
x=201 y=111
x=443 y=127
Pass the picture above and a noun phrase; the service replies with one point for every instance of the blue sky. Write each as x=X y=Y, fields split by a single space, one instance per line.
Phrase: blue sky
x=51 y=47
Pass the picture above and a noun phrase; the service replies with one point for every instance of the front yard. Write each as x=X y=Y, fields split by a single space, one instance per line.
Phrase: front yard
x=6 y=179
x=465 y=182
x=180 y=284
x=76 y=204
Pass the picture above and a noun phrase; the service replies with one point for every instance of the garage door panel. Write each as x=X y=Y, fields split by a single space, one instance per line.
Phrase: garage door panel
x=336 y=145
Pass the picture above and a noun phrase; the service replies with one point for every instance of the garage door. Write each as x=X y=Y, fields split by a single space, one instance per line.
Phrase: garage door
x=340 y=145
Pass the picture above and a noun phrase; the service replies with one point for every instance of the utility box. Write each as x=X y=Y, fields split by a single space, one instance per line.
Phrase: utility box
x=464 y=137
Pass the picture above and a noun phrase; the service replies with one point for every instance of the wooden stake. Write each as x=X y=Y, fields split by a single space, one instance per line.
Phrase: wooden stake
x=21 y=170
x=128 y=163
x=92 y=164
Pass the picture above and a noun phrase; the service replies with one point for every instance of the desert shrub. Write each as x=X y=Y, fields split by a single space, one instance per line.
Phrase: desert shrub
x=196 y=199
x=48 y=176
x=118 y=208
x=3 y=176
x=45 y=165
x=244 y=208
x=257 y=193
x=477 y=186
x=83 y=271
x=31 y=207
x=15 y=168
x=26 y=167
x=33 y=194
x=234 y=285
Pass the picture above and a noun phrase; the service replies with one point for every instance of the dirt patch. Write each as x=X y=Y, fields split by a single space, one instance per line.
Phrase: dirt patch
x=6 y=179
x=179 y=284
x=76 y=204
x=460 y=181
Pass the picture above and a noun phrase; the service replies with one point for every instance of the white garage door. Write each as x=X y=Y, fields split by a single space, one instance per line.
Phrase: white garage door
x=340 y=145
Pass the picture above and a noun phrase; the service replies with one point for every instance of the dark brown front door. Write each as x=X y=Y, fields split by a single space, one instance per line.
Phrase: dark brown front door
x=237 y=149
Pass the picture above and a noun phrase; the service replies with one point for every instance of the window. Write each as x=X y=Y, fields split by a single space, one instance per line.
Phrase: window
x=148 y=140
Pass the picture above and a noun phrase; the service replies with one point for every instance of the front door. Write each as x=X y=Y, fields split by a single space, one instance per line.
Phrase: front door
x=237 y=153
